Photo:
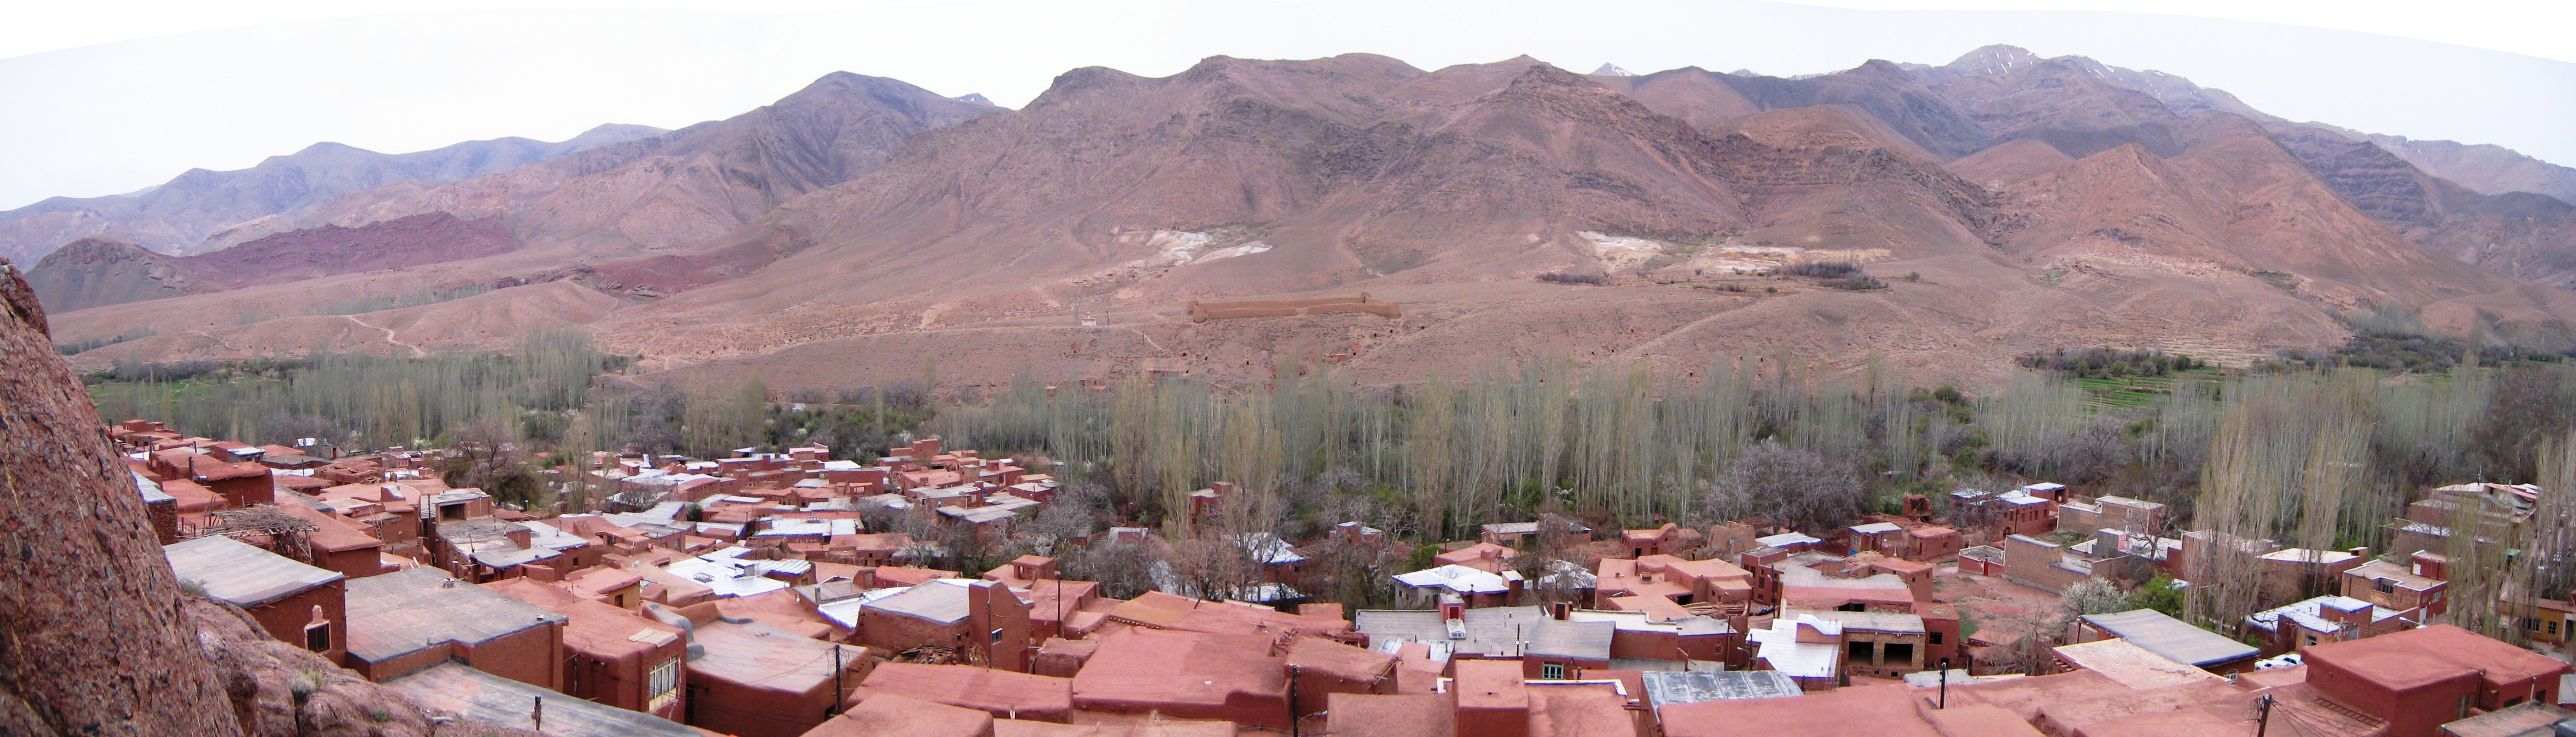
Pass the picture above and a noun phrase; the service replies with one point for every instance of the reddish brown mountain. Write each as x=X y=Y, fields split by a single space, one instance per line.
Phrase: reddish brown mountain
x=2009 y=203
x=687 y=186
x=99 y=270
x=328 y=250
x=204 y=210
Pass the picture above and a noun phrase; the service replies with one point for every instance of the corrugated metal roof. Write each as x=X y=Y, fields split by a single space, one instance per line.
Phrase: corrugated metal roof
x=242 y=574
x=1457 y=578
x=1781 y=648
x=1664 y=688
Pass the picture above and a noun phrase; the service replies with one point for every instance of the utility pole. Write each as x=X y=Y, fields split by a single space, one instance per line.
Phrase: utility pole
x=1292 y=702
x=1945 y=683
x=2264 y=720
x=540 y=715
x=836 y=678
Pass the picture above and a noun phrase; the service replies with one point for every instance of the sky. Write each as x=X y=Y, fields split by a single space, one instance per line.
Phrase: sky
x=111 y=96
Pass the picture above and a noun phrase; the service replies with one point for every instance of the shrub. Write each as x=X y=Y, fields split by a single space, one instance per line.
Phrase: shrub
x=1822 y=268
x=1856 y=283
x=1562 y=277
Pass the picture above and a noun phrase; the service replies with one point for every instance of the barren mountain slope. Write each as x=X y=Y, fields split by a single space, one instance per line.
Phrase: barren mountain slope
x=96 y=271
x=204 y=210
x=2078 y=205
x=678 y=189
x=1212 y=183
x=330 y=249
x=2485 y=168
x=1885 y=90
x=2054 y=100
x=2078 y=105
x=2517 y=233
x=102 y=270
x=688 y=186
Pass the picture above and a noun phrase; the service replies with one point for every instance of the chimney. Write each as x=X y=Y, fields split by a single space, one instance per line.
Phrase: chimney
x=1559 y=610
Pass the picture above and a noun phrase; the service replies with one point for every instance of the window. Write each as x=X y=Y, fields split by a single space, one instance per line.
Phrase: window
x=1858 y=651
x=2553 y=626
x=317 y=637
x=1936 y=638
x=662 y=686
x=997 y=635
x=1552 y=671
x=1852 y=607
x=2384 y=586
x=1900 y=653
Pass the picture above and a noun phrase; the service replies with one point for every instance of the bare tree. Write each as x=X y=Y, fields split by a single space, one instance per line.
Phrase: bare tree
x=639 y=498
x=1797 y=488
x=2092 y=596
x=1212 y=566
x=1124 y=569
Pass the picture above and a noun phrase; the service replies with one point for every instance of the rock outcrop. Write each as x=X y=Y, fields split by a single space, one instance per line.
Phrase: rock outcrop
x=100 y=640
x=96 y=643
x=279 y=690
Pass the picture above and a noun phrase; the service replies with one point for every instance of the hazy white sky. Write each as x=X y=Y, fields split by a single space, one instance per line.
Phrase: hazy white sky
x=115 y=95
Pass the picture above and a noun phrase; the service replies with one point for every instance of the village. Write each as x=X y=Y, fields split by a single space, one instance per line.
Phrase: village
x=778 y=594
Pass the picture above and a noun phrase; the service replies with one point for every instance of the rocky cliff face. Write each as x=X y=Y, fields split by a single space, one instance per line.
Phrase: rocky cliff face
x=100 y=640
x=96 y=643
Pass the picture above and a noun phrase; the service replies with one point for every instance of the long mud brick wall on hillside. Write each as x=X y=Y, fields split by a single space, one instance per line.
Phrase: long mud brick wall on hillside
x=1205 y=311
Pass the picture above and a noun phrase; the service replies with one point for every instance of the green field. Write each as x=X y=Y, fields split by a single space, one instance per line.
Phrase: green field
x=2132 y=392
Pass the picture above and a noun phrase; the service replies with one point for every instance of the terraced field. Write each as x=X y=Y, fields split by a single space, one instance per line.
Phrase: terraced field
x=2131 y=392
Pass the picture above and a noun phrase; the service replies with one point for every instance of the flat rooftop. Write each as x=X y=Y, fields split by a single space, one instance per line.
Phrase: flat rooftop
x=942 y=601
x=412 y=610
x=242 y=574
x=459 y=689
x=768 y=657
x=2170 y=637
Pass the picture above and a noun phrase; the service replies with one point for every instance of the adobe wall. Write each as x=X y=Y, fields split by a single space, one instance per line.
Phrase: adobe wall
x=895 y=633
x=2413 y=712
x=752 y=710
x=533 y=656
x=621 y=679
x=1205 y=311
x=286 y=618
x=2033 y=563
x=353 y=563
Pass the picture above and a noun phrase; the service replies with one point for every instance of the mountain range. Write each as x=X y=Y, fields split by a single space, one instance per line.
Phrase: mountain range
x=2005 y=203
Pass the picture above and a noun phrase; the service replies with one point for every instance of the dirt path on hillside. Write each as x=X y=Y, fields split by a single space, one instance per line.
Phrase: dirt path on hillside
x=416 y=351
